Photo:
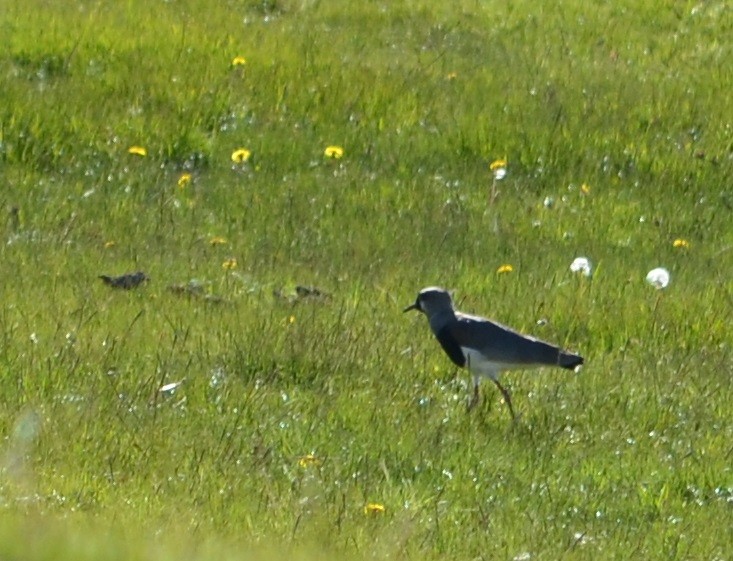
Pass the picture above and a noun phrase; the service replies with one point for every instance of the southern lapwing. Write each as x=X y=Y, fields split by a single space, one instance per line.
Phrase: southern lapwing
x=128 y=281
x=485 y=347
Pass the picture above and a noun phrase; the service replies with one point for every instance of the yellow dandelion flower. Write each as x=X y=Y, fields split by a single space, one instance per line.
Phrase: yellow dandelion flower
x=496 y=164
x=585 y=189
x=239 y=61
x=110 y=244
x=184 y=180
x=505 y=269
x=218 y=240
x=374 y=509
x=229 y=264
x=679 y=242
x=291 y=320
x=137 y=151
x=308 y=460
x=241 y=155
x=451 y=76
x=498 y=168
x=334 y=152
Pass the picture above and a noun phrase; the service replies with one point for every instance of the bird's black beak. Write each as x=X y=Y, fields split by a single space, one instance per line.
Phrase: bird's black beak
x=411 y=307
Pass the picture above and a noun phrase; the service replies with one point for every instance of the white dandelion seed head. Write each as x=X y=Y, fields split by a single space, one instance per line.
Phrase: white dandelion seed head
x=658 y=278
x=499 y=173
x=582 y=265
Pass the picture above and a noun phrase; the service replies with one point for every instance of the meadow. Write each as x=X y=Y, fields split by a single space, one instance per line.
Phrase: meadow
x=237 y=150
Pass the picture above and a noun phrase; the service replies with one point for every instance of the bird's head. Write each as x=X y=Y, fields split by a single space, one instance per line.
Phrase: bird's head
x=432 y=300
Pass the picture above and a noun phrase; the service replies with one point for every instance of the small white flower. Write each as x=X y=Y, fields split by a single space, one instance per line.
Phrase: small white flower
x=499 y=173
x=658 y=278
x=169 y=388
x=582 y=265
x=549 y=202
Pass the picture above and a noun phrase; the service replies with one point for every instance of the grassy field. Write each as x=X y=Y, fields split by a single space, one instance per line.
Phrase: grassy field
x=215 y=412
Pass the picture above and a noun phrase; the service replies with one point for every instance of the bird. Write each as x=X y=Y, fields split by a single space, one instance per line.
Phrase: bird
x=127 y=281
x=486 y=348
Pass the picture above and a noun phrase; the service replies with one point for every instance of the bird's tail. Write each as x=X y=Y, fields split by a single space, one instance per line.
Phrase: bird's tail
x=569 y=361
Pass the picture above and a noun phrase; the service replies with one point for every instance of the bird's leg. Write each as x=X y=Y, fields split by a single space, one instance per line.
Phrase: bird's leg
x=473 y=400
x=507 y=397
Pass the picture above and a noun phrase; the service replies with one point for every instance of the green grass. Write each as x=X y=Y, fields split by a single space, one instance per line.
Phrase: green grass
x=629 y=459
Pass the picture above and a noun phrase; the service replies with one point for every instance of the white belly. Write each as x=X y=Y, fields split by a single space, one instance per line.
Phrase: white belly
x=480 y=366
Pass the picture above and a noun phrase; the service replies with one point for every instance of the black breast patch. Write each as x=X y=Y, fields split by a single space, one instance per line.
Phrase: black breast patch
x=451 y=346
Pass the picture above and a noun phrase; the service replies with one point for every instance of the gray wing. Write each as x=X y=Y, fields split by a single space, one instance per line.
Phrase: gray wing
x=503 y=344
